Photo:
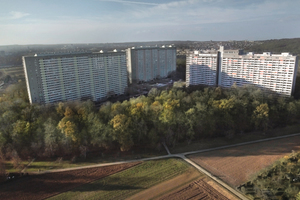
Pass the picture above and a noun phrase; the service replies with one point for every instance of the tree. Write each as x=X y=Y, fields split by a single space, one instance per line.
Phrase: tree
x=60 y=109
x=260 y=117
x=2 y=170
x=51 y=137
x=298 y=196
x=100 y=133
x=122 y=131
x=169 y=118
x=291 y=191
x=105 y=111
x=138 y=113
x=69 y=126
x=153 y=93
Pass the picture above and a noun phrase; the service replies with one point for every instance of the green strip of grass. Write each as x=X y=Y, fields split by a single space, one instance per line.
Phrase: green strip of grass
x=52 y=164
x=43 y=165
x=129 y=182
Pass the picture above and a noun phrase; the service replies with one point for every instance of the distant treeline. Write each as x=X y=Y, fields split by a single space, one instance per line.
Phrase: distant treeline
x=176 y=115
x=277 y=46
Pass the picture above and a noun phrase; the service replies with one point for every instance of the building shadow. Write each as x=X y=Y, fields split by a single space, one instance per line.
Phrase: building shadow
x=209 y=77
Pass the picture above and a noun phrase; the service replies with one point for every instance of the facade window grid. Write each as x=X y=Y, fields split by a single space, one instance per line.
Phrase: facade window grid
x=271 y=73
x=59 y=75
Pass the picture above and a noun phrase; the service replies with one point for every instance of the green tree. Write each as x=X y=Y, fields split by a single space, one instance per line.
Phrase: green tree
x=101 y=134
x=122 y=131
x=52 y=137
x=260 y=117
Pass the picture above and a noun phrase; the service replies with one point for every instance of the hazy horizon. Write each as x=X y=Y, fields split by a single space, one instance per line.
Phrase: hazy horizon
x=120 y=21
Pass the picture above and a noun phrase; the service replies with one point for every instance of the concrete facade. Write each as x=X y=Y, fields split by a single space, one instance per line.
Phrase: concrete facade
x=69 y=77
x=148 y=63
x=201 y=68
x=274 y=72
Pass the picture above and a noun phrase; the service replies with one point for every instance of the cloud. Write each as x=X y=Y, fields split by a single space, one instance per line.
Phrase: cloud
x=17 y=15
x=141 y=20
x=133 y=2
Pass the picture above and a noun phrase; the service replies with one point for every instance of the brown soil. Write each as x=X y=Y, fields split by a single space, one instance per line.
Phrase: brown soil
x=237 y=164
x=166 y=186
x=220 y=189
x=197 y=190
x=47 y=185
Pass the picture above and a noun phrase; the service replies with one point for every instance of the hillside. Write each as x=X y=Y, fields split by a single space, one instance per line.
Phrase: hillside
x=277 y=46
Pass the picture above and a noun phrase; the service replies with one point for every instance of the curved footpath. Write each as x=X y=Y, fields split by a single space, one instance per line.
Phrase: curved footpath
x=182 y=156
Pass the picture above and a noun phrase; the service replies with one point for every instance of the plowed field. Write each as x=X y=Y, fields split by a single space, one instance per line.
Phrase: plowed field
x=237 y=164
x=46 y=185
x=196 y=190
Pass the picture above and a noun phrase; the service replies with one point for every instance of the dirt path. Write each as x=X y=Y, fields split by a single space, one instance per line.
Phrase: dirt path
x=220 y=189
x=166 y=186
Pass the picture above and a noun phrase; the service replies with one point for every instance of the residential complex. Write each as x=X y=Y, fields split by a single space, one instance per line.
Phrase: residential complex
x=148 y=63
x=275 y=72
x=62 y=77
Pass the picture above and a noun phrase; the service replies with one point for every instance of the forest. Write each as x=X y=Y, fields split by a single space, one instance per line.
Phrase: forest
x=173 y=116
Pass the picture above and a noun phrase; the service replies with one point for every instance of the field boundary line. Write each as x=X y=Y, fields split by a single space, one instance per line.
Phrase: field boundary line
x=238 y=144
x=103 y=164
x=219 y=181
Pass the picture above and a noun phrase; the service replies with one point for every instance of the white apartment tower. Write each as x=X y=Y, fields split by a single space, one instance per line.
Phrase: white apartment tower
x=53 y=78
x=148 y=63
x=274 y=72
x=201 y=68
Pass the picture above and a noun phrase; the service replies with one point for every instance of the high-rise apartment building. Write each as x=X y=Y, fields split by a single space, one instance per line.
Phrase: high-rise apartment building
x=63 y=77
x=201 y=68
x=274 y=72
x=148 y=63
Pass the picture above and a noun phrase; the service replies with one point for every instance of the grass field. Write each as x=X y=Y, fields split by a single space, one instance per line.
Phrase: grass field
x=129 y=182
x=222 y=141
x=42 y=165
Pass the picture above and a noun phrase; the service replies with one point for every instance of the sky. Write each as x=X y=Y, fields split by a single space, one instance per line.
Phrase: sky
x=108 y=21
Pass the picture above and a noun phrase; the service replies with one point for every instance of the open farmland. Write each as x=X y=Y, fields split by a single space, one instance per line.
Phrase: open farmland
x=129 y=182
x=46 y=185
x=168 y=186
x=197 y=190
x=237 y=164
